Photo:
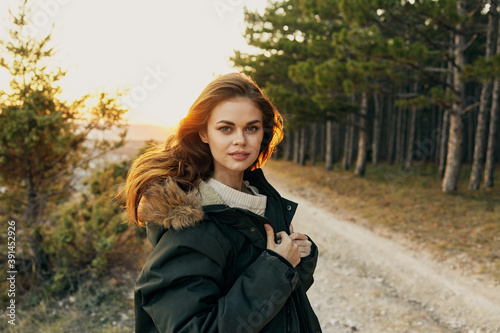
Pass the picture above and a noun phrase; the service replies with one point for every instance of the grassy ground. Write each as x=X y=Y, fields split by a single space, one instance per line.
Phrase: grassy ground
x=104 y=306
x=463 y=227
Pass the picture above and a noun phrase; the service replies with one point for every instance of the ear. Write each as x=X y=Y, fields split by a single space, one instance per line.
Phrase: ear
x=203 y=136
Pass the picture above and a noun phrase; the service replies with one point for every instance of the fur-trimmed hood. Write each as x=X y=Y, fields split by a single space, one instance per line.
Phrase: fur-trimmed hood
x=168 y=206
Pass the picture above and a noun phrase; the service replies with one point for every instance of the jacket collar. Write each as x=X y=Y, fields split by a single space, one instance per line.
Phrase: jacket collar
x=168 y=206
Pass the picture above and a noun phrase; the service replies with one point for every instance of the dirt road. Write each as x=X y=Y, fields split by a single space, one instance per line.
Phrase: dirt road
x=368 y=283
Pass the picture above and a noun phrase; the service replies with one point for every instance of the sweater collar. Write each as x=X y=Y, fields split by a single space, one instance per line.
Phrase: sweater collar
x=167 y=205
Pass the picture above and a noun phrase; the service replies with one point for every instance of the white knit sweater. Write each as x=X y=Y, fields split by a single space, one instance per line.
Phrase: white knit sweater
x=255 y=203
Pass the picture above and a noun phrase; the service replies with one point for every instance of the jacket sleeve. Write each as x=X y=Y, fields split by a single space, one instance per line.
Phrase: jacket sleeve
x=181 y=286
x=307 y=266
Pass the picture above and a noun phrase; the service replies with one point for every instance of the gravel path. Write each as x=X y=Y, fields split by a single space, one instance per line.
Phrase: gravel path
x=368 y=283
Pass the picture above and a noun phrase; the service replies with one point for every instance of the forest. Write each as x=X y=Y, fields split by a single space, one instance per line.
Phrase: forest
x=365 y=81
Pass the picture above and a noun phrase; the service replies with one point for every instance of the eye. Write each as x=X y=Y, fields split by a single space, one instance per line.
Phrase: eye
x=253 y=128
x=225 y=129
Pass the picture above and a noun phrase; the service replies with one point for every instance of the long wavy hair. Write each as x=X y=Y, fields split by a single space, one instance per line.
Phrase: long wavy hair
x=186 y=159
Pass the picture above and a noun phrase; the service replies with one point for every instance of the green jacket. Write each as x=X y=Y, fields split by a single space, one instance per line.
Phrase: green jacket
x=210 y=271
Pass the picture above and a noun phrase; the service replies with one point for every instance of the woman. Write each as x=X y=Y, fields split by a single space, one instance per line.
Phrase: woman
x=211 y=216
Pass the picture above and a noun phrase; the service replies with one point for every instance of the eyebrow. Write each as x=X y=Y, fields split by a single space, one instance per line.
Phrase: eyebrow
x=227 y=122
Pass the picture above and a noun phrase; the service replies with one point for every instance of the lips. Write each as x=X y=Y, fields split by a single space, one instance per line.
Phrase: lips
x=239 y=155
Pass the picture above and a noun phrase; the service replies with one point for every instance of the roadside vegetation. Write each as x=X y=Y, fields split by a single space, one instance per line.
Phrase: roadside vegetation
x=104 y=305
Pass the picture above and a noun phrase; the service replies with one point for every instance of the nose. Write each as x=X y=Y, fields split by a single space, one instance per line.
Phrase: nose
x=239 y=138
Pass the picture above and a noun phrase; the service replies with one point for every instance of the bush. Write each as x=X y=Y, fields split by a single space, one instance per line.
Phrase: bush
x=90 y=234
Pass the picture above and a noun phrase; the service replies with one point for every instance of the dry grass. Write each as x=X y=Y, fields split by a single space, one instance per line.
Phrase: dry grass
x=463 y=227
x=101 y=306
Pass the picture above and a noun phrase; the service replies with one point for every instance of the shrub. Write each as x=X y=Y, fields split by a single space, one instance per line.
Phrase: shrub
x=89 y=235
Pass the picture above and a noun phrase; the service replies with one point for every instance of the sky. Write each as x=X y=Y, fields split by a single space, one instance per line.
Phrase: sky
x=163 y=51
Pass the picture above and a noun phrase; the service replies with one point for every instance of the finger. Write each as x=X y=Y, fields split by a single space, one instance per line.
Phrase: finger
x=304 y=253
x=278 y=238
x=302 y=242
x=291 y=228
x=270 y=236
x=298 y=235
x=282 y=235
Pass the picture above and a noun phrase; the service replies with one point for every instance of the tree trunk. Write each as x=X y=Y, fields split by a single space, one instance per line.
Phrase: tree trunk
x=411 y=132
x=445 y=128
x=329 y=145
x=338 y=143
x=455 y=141
x=363 y=137
x=489 y=168
x=377 y=130
x=434 y=134
x=348 y=143
x=468 y=149
x=303 y=146
x=288 y=146
x=424 y=155
x=411 y=136
x=352 y=139
x=443 y=145
x=35 y=257
x=400 y=138
x=391 y=136
x=345 y=159
x=454 y=156
x=313 y=144
x=322 y=142
x=296 y=146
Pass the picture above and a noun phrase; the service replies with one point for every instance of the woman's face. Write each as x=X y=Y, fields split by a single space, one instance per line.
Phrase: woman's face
x=234 y=134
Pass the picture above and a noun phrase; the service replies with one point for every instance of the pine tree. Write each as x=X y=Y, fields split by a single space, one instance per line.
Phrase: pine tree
x=277 y=34
x=455 y=141
x=332 y=52
x=480 y=138
x=489 y=168
x=43 y=140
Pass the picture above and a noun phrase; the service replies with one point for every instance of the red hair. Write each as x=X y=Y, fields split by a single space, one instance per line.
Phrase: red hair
x=184 y=157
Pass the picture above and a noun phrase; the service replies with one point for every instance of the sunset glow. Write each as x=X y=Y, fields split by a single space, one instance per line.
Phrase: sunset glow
x=163 y=52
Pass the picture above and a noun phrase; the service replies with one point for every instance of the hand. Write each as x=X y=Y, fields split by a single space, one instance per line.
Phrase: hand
x=303 y=243
x=286 y=247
